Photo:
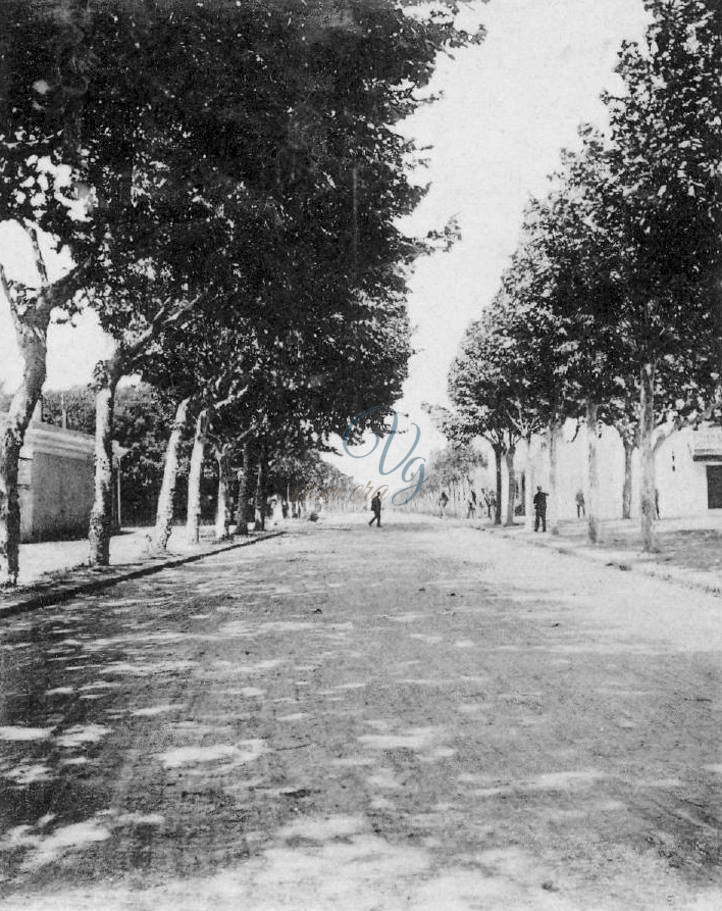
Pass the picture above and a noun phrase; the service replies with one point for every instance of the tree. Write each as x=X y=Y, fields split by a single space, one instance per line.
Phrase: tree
x=581 y=289
x=142 y=416
x=40 y=75
x=666 y=158
x=186 y=187
x=494 y=386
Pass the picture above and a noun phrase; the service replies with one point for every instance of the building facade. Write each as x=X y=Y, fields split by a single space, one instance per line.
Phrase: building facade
x=55 y=480
x=688 y=473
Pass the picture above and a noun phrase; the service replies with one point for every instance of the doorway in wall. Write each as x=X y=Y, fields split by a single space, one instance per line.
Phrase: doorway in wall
x=714 y=486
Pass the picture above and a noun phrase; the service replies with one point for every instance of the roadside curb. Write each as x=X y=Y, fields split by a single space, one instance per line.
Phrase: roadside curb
x=56 y=594
x=602 y=559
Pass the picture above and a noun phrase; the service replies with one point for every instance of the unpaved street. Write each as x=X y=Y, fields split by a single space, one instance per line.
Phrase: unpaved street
x=416 y=717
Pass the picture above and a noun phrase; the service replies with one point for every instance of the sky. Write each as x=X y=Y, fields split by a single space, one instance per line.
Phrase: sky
x=508 y=107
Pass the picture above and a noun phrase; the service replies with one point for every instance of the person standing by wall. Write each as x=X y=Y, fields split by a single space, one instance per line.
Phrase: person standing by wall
x=540 y=509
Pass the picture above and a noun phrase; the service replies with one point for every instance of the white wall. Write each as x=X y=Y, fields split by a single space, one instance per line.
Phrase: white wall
x=681 y=482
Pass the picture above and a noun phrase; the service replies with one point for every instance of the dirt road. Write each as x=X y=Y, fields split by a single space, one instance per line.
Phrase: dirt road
x=415 y=717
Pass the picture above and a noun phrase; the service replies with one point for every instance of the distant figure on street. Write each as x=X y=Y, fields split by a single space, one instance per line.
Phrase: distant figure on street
x=540 y=509
x=487 y=502
x=443 y=503
x=471 y=506
x=581 y=510
x=376 y=510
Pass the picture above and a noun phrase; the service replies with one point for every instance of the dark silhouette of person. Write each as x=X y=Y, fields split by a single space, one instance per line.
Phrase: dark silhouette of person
x=581 y=508
x=376 y=510
x=471 y=506
x=488 y=501
x=540 y=509
x=443 y=503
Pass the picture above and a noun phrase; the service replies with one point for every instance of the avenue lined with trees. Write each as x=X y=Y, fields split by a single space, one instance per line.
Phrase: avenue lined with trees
x=611 y=307
x=226 y=180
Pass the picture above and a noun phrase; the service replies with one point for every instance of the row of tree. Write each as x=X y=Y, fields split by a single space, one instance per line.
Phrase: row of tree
x=611 y=308
x=226 y=180
x=142 y=416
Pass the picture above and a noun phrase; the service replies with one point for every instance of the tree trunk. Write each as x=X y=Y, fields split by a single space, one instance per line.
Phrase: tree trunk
x=529 y=486
x=511 y=478
x=592 y=503
x=627 y=488
x=32 y=343
x=221 y=530
x=260 y=504
x=108 y=375
x=164 y=512
x=244 y=492
x=553 y=499
x=193 y=514
x=646 y=453
x=497 y=506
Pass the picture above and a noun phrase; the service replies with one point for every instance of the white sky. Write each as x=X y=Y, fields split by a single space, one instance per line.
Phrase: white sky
x=508 y=107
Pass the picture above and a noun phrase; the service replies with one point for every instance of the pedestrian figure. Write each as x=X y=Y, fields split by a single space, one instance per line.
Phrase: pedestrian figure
x=471 y=506
x=443 y=502
x=487 y=501
x=284 y=509
x=540 y=509
x=376 y=510
x=581 y=510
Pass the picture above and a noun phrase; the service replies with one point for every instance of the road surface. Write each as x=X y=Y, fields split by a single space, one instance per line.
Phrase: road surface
x=421 y=716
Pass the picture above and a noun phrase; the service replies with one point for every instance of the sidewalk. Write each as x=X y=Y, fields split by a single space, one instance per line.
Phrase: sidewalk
x=54 y=571
x=689 y=548
x=42 y=559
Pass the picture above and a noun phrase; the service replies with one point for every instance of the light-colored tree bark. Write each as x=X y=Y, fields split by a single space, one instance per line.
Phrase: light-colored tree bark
x=627 y=486
x=31 y=335
x=529 y=485
x=222 y=518
x=164 y=511
x=511 y=484
x=646 y=452
x=244 y=493
x=30 y=311
x=260 y=502
x=107 y=375
x=195 y=472
x=554 y=510
x=592 y=502
x=497 y=466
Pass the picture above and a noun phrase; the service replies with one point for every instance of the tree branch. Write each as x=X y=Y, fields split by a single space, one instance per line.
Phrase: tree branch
x=160 y=319
x=5 y=284
x=230 y=399
x=32 y=233
x=62 y=290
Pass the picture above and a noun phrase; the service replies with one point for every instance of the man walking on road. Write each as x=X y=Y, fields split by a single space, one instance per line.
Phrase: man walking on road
x=540 y=509
x=443 y=501
x=376 y=510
